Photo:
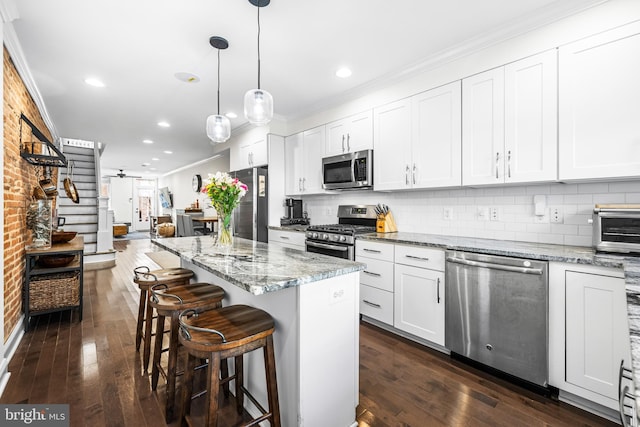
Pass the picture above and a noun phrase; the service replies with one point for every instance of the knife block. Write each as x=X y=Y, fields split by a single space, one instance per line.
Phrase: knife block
x=386 y=224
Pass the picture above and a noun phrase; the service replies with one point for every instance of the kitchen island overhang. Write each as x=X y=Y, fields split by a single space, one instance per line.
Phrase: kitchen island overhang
x=314 y=300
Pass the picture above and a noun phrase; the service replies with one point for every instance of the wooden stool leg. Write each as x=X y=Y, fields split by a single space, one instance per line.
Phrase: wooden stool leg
x=148 y=326
x=224 y=373
x=157 y=353
x=187 y=387
x=172 y=367
x=141 y=310
x=213 y=386
x=272 y=385
x=239 y=368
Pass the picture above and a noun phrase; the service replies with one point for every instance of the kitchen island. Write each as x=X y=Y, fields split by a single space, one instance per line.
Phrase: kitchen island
x=314 y=301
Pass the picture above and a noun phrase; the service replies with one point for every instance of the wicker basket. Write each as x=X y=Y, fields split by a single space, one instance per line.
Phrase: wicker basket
x=54 y=291
x=166 y=229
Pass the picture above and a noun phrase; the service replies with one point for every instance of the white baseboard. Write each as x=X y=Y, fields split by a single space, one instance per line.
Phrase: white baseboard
x=9 y=350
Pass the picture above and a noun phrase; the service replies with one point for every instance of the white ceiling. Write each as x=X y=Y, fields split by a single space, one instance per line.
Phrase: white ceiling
x=137 y=46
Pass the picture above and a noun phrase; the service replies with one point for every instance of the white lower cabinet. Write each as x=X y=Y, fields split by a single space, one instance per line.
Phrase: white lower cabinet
x=376 y=280
x=419 y=302
x=588 y=331
x=289 y=239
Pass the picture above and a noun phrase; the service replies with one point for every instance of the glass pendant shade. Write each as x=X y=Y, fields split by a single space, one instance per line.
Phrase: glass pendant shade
x=258 y=106
x=218 y=128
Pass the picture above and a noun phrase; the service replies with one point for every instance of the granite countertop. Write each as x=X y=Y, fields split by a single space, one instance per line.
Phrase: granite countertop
x=257 y=267
x=547 y=252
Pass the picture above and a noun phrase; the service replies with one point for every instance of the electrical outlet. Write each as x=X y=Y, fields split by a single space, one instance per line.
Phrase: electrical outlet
x=447 y=214
x=494 y=214
x=556 y=216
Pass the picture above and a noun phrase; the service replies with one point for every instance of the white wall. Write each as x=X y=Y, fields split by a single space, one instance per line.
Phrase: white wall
x=179 y=183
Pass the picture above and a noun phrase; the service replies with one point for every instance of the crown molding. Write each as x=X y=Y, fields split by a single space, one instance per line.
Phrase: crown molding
x=8 y=11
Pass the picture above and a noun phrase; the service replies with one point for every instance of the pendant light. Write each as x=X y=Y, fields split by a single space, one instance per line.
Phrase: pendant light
x=218 y=127
x=258 y=103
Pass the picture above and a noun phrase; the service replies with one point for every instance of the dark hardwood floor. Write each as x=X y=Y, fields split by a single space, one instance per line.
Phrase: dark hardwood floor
x=93 y=366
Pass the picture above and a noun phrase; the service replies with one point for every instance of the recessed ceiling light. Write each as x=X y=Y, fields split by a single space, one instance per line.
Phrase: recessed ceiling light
x=92 y=81
x=187 y=77
x=164 y=124
x=155 y=159
x=343 y=72
x=168 y=152
x=231 y=115
x=153 y=169
x=147 y=141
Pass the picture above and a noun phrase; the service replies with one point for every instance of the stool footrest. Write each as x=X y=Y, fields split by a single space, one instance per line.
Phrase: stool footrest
x=258 y=405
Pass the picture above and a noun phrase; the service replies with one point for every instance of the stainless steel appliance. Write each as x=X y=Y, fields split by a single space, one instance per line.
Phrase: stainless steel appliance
x=616 y=228
x=338 y=240
x=250 y=218
x=350 y=171
x=496 y=313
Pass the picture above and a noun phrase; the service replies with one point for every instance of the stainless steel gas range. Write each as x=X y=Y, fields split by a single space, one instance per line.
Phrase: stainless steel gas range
x=338 y=240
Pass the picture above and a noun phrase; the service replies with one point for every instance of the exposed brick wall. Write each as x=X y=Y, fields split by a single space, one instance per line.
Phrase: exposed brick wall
x=19 y=178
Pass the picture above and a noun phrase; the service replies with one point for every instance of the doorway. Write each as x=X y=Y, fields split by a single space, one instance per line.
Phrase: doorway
x=143 y=209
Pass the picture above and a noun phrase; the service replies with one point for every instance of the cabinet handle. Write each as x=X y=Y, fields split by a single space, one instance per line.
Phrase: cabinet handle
x=417 y=257
x=497 y=160
x=406 y=175
x=343 y=143
x=372 y=304
x=284 y=237
x=413 y=173
x=348 y=139
x=299 y=184
x=438 y=291
x=372 y=274
x=304 y=184
x=375 y=251
x=509 y=163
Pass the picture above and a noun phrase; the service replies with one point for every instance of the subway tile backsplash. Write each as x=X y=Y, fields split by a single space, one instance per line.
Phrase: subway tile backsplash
x=423 y=211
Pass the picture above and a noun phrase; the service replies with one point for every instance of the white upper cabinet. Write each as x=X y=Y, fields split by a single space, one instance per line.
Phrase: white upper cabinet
x=392 y=146
x=353 y=133
x=417 y=141
x=252 y=150
x=509 y=126
x=600 y=105
x=436 y=137
x=483 y=128
x=531 y=119
x=303 y=162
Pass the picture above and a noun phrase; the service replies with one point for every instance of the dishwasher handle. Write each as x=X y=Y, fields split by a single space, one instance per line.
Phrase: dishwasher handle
x=524 y=270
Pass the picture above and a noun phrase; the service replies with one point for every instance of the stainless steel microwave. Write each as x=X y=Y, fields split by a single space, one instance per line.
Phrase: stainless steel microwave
x=616 y=228
x=348 y=171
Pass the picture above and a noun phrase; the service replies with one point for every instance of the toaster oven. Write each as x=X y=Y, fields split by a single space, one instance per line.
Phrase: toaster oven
x=616 y=228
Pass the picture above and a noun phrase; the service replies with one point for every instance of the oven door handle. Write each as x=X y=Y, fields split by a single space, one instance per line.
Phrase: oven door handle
x=330 y=247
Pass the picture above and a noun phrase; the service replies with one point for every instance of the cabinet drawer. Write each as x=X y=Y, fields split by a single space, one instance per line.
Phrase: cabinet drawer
x=294 y=238
x=377 y=304
x=375 y=250
x=420 y=257
x=378 y=274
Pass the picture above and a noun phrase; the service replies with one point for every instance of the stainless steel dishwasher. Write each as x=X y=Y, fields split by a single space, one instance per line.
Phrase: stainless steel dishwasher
x=497 y=311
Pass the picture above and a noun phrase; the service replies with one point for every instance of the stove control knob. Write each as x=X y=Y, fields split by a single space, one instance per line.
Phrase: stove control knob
x=314 y=235
x=325 y=237
x=343 y=238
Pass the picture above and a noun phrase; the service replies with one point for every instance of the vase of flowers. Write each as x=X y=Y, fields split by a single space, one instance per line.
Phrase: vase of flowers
x=225 y=194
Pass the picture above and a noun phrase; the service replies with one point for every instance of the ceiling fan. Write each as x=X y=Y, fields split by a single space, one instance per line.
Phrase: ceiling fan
x=121 y=174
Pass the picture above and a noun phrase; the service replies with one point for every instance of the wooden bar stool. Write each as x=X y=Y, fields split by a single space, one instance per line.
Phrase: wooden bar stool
x=170 y=302
x=146 y=278
x=217 y=335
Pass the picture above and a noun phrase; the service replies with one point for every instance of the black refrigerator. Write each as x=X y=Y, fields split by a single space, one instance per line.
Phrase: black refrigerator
x=250 y=218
